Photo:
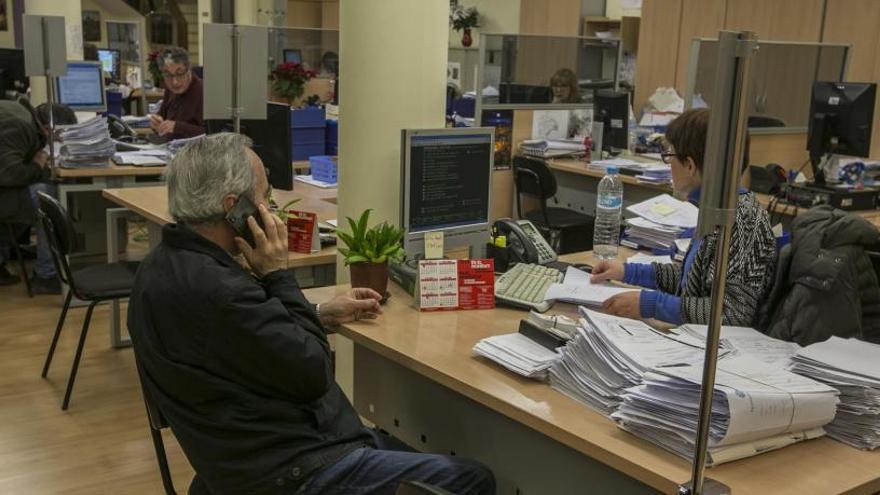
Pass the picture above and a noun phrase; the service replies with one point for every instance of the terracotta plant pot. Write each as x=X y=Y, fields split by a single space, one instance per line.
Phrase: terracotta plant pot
x=466 y=39
x=371 y=275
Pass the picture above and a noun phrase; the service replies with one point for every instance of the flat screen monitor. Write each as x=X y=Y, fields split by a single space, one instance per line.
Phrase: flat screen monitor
x=293 y=55
x=446 y=186
x=110 y=62
x=271 y=139
x=612 y=109
x=841 y=119
x=82 y=88
x=12 y=77
x=524 y=93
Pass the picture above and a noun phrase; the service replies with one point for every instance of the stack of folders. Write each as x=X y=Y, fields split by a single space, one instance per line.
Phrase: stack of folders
x=86 y=144
x=136 y=122
x=549 y=148
x=532 y=351
x=667 y=211
x=852 y=367
x=656 y=174
x=643 y=233
x=756 y=408
x=577 y=288
x=610 y=354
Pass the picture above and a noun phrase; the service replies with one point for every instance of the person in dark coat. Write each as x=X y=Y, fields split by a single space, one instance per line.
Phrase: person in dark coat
x=24 y=171
x=180 y=115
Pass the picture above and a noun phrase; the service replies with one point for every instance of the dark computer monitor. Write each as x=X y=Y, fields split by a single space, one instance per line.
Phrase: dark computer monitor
x=524 y=93
x=841 y=117
x=293 y=55
x=110 y=62
x=271 y=139
x=82 y=88
x=446 y=186
x=612 y=109
x=12 y=76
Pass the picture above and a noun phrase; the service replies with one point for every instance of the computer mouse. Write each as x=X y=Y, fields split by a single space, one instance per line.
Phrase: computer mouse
x=583 y=266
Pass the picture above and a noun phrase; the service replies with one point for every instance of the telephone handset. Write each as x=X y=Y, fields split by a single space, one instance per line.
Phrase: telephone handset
x=118 y=128
x=525 y=242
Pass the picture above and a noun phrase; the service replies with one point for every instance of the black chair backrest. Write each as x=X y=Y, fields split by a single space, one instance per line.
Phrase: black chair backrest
x=157 y=419
x=532 y=177
x=60 y=233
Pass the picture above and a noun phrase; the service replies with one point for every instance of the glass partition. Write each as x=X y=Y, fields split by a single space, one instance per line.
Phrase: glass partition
x=315 y=49
x=518 y=69
x=781 y=79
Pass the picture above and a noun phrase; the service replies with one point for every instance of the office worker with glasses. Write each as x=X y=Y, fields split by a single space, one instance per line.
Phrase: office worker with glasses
x=180 y=115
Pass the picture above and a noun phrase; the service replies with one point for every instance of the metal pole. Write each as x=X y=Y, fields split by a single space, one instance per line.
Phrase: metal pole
x=725 y=143
x=236 y=116
x=50 y=93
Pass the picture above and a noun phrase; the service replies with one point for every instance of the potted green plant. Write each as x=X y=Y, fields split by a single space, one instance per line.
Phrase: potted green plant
x=289 y=80
x=368 y=251
x=465 y=19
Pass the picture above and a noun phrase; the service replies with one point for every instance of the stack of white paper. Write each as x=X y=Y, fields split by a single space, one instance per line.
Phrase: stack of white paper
x=549 y=148
x=668 y=211
x=136 y=122
x=852 y=367
x=643 y=233
x=577 y=288
x=755 y=408
x=86 y=144
x=143 y=158
x=744 y=341
x=518 y=353
x=656 y=174
x=647 y=259
x=609 y=354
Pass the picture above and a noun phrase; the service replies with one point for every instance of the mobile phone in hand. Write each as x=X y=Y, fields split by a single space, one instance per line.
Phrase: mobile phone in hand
x=238 y=215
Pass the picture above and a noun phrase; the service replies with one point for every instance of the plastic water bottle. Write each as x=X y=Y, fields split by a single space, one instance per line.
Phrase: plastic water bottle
x=609 y=203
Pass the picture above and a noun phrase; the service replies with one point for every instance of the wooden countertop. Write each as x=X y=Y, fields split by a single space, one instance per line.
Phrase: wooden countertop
x=151 y=202
x=112 y=171
x=438 y=345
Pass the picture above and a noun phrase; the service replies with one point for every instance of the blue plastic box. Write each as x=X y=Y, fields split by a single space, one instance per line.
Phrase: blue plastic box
x=307 y=135
x=324 y=168
x=305 y=151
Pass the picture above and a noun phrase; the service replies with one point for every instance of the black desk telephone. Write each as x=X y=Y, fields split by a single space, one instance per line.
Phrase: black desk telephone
x=525 y=244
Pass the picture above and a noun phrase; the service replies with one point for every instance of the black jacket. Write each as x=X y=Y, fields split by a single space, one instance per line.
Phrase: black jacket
x=19 y=141
x=241 y=368
x=825 y=283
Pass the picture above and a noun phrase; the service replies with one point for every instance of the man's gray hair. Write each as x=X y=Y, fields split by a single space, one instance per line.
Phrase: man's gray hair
x=174 y=55
x=205 y=172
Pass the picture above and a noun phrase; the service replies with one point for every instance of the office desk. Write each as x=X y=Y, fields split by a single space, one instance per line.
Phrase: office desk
x=635 y=191
x=416 y=377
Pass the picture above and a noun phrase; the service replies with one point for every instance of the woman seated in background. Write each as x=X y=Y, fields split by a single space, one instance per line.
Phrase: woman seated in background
x=680 y=294
x=564 y=85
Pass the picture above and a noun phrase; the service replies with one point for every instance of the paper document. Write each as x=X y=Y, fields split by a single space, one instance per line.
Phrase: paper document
x=744 y=341
x=517 y=353
x=666 y=210
x=307 y=179
x=577 y=288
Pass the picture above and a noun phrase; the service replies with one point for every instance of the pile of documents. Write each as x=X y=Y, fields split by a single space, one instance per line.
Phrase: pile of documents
x=610 y=354
x=756 y=408
x=745 y=341
x=518 y=353
x=642 y=233
x=667 y=211
x=136 y=122
x=149 y=156
x=647 y=259
x=178 y=144
x=550 y=148
x=852 y=367
x=86 y=144
x=577 y=288
x=656 y=175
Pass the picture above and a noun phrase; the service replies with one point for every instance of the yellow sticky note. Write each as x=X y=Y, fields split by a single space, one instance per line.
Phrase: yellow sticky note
x=433 y=245
x=662 y=209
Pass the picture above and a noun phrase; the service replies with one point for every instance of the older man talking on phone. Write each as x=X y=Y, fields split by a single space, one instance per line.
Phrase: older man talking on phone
x=238 y=360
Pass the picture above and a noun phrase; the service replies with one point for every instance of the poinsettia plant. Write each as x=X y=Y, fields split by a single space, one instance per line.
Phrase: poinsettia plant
x=289 y=80
x=153 y=67
x=464 y=18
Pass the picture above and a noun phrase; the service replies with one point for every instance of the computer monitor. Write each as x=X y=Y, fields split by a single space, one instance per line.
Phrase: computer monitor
x=82 y=88
x=293 y=55
x=110 y=62
x=12 y=76
x=271 y=139
x=612 y=109
x=446 y=184
x=841 y=117
x=524 y=93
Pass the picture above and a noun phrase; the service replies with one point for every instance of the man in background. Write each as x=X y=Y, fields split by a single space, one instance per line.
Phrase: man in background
x=180 y=115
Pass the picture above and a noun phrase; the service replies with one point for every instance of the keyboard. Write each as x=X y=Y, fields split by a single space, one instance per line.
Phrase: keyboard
x=524 y=286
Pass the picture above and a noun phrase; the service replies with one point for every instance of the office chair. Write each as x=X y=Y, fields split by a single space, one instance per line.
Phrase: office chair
x=157 y=422
x=13 y=240
x=569 y=231
x=764 y=121
x=93 y=284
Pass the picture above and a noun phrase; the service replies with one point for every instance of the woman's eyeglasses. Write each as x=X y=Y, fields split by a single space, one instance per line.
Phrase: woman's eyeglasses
x=667 y=156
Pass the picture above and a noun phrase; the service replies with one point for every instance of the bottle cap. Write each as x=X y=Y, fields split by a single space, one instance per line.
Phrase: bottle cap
x=612 y=171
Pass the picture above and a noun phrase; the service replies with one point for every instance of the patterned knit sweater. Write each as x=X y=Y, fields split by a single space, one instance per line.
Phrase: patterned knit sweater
x=749 y=273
